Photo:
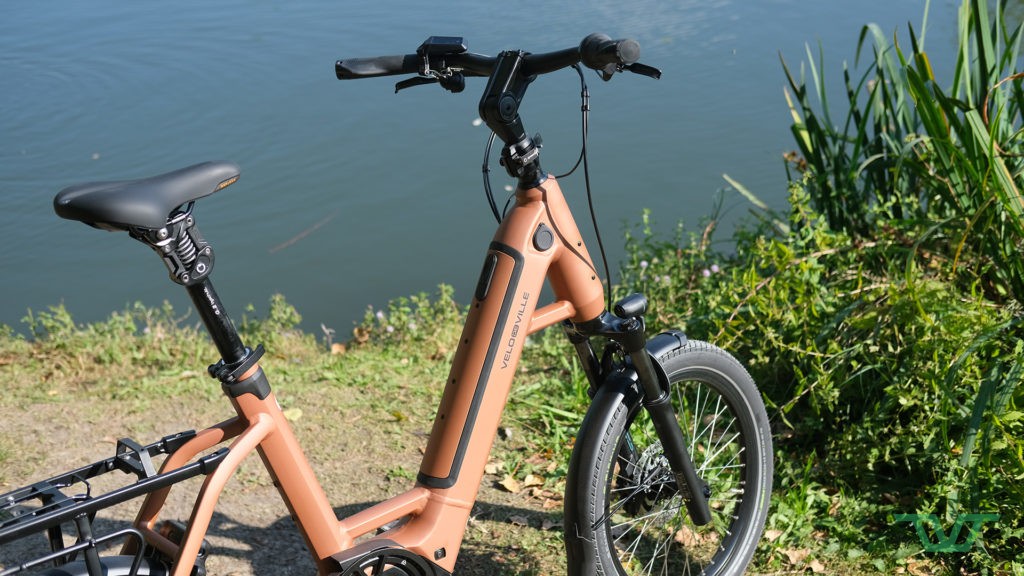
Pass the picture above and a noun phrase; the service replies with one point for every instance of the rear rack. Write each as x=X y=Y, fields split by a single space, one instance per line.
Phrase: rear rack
x=46 y=505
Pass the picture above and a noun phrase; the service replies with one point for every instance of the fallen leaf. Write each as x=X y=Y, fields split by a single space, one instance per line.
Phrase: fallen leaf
x=511 y=484
x=338 y=348
x=797 y=557
x=493 y=467
x=772 y=535
x=293 y=414
x=817 y=567
x=548 y=525
x=536 y=460
x=532 y=480
x=919 y=569
x=687 y=537
x=538 y=492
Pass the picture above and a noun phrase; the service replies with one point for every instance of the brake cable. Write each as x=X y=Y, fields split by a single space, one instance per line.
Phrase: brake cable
x=585 y=110
x=487 y=178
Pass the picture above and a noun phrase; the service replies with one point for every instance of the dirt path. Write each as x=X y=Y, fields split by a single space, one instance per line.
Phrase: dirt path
x=251 y=532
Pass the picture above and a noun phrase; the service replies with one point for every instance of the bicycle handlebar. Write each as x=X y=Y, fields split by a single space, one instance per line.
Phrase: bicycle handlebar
x=597 y=51
x=444 y=60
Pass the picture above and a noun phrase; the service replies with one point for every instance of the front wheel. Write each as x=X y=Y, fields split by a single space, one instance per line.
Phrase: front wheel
x=629 y=516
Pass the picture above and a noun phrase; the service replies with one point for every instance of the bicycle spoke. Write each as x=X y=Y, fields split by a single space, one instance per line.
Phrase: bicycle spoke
x=711 y=456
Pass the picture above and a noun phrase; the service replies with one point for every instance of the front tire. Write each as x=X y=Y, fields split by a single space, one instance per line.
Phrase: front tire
x=627 y=516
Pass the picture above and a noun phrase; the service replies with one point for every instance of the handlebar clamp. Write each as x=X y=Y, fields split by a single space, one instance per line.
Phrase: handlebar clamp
x=518 y=158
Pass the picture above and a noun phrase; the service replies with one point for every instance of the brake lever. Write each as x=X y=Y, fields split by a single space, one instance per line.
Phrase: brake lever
x=454 y=83
x=643 y=70
x=414 y=81
x=608 y=71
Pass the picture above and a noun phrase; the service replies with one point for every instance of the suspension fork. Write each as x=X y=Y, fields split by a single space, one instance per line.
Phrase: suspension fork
x=627 y=328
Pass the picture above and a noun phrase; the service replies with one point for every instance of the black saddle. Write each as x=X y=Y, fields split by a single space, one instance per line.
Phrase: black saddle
x=143 y=203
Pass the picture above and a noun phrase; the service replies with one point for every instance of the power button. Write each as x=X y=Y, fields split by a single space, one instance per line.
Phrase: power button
x=543 y=238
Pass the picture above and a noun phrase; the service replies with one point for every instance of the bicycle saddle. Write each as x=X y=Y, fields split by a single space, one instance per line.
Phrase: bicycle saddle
x=142 y=203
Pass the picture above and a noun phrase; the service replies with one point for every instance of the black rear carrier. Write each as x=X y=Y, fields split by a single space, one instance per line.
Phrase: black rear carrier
x=67 y=501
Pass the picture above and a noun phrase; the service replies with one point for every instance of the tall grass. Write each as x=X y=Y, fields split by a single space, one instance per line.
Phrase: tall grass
x=919 y=150
x=936 y=166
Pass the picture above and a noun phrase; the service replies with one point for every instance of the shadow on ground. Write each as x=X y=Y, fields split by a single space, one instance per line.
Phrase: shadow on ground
x=278 y=550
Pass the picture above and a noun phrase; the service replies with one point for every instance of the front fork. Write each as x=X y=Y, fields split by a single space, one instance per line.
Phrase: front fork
x=626 y=328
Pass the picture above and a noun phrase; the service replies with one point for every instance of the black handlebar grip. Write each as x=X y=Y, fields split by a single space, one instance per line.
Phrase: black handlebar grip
x=598 y=51
x=354 y=68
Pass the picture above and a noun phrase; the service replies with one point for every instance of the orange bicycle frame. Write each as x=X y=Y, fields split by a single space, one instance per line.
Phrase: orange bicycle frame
x=538 y=239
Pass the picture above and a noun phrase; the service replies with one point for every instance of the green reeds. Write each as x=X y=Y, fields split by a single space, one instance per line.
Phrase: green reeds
x=915 y=153
x=921 y=151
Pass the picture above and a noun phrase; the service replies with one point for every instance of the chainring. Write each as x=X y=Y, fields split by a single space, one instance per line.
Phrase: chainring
x=389 y=562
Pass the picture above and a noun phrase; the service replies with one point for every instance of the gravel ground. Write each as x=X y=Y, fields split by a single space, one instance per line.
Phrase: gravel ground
x=251 y=533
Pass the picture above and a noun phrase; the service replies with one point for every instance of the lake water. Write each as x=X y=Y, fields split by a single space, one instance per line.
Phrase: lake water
x=350 y=194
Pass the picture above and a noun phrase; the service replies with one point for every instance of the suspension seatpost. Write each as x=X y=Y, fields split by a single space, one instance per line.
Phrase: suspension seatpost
x=189 y=260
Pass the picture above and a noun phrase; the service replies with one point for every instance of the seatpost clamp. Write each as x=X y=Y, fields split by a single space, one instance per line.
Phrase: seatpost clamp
x=230 y=373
